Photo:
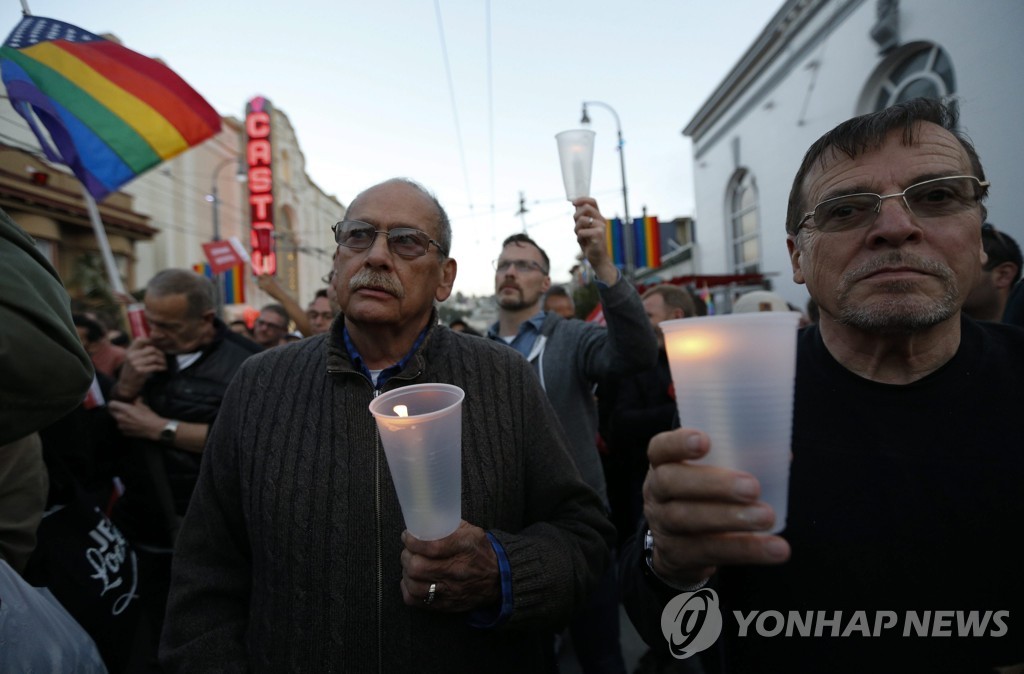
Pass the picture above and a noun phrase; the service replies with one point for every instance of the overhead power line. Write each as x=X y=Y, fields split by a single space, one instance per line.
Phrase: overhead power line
x=451 y=94
x=490 y=99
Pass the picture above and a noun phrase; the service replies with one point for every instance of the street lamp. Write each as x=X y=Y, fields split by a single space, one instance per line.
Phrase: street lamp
x=213 y=198
x=627 y=224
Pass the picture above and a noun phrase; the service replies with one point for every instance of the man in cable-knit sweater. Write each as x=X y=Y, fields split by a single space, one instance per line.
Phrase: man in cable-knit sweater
x=293 y=556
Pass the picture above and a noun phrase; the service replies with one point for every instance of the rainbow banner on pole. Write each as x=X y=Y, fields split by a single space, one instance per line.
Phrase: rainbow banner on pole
x=234 y=281
x=709 y=302
x=647 y=242
x=111 y=113
x=616 y=242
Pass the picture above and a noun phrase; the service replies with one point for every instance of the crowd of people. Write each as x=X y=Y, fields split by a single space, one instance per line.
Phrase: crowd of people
x=251 y=522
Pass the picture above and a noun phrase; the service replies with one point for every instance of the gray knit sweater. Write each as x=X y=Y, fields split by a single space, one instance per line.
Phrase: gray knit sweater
x=289 y=557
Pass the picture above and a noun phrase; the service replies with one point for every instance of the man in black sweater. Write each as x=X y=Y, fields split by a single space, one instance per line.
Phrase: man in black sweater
x=904 y=504
x=166 y=397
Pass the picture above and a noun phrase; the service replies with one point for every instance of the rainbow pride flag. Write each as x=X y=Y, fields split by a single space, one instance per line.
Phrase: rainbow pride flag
x=234 y=281
x=647 y=242
x=705 y=295
x=111 y=113
x=616 y=242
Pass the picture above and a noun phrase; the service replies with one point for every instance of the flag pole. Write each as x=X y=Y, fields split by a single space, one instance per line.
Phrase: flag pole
x=101 y=238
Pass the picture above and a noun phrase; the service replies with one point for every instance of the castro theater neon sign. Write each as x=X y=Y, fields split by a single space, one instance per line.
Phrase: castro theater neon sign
x=261 y=185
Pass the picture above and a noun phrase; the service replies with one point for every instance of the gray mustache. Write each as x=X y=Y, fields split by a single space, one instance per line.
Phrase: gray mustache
x=376 y=280
x=899 y=258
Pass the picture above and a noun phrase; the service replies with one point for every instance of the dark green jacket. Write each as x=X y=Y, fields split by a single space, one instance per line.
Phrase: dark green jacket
x=44 y=370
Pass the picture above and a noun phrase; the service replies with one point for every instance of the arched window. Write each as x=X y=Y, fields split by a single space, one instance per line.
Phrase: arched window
x=918 y=70
x=744 y=223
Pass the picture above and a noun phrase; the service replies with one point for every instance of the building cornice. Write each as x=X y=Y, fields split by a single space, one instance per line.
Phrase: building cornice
x=56 y=199
x=772 y=41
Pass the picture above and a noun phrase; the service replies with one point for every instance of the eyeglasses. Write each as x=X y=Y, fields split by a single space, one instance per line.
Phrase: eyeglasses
x=934 y=198
x=328 y=277
x=522 y=266
x=404 y=241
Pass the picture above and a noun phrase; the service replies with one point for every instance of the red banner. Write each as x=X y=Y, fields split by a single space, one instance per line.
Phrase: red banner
x=222 y=255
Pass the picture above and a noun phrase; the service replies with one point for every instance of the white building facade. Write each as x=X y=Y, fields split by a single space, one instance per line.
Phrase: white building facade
x=819 y=62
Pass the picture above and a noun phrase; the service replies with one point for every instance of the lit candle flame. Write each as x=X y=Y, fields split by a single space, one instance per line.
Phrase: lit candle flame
x=696 y=345
x=401 y=410
x=693 y=345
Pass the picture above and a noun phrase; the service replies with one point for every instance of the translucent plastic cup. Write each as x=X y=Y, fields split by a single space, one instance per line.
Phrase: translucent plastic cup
x=733 y=377
x=421 y=430
x=576 y=152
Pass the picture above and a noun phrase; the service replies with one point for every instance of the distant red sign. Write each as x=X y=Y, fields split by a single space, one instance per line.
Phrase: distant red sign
x=222 y=255
x=259 y=157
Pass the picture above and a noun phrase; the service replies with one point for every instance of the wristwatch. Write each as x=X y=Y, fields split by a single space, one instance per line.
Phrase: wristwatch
x=169 y=432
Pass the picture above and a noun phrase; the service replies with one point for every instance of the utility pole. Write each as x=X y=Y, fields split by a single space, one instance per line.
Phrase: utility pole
x=627 y=224
x=214 y=199
x=522 y=210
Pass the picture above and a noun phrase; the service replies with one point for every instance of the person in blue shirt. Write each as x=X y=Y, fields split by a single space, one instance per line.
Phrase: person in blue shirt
x=571 y=357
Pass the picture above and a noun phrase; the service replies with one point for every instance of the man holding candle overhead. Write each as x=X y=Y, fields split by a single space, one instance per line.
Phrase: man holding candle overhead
x=293 y=556
x=571 y=357
x=905 y=482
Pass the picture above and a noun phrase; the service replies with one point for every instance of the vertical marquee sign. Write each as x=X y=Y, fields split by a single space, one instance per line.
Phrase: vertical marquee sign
x=261 y=185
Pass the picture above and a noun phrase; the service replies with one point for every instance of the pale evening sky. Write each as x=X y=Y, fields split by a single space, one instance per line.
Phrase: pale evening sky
x=366 y=88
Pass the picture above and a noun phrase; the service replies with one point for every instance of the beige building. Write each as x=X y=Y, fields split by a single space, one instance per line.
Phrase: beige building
x=48 y=204
x=184 y=197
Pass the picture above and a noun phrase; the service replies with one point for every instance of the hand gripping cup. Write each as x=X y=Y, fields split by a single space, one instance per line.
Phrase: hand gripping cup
x=734 y=378
x=576 y=152
x=421 y=430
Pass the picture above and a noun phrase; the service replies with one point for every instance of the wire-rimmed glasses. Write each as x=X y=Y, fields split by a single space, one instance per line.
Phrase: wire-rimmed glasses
x=938 y=197
x=521 y=266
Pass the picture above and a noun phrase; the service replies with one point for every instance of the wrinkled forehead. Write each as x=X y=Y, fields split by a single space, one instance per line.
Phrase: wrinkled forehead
x=395 y=204
x=892 y=161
